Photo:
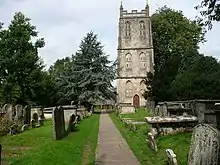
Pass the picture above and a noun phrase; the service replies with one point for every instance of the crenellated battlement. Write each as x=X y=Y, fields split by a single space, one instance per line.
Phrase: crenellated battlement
x=134 y=13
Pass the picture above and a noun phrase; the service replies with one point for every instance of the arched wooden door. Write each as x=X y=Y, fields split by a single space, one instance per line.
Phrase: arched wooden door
x=136 y=101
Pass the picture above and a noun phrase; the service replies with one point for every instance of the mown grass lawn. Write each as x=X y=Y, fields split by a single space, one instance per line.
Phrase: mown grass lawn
x=138 y=116
x=179 y=143
x=36 y=146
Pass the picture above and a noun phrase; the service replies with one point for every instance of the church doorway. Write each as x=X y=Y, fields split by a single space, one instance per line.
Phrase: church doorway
x=136 y=101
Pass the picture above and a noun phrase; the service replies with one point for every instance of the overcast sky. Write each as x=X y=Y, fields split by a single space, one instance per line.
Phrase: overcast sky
x=63 y=23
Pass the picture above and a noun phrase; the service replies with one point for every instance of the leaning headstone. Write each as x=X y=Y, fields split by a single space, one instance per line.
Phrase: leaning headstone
x=58 y=123
x=171 y=157
x=205 y=145
x=27 y=114
x=152 y=142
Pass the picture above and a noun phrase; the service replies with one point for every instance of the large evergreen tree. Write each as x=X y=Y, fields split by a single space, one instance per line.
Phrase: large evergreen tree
x=57 y=70
x=87 y=78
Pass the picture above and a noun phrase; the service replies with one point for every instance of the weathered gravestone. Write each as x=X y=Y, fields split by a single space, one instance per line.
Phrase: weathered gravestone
x=72 y=123
x=35 y=117
x=58 y=123
x=33 y=123
x=41 y=117
x=42 y=114
x=152 y=142
x=19 y=118
x=27 y=115
x=205 y=145
x=9 y=115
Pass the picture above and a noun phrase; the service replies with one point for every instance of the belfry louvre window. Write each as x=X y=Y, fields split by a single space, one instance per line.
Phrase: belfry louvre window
x=143 y=64
x=127 y=29
x=142 y=29
x=128 y=58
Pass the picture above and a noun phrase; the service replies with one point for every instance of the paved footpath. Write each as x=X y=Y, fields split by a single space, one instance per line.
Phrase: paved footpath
x=112 y=148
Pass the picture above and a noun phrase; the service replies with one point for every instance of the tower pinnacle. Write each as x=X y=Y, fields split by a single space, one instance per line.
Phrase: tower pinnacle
x=121 y=9
x=147 y=8
x=121 y=5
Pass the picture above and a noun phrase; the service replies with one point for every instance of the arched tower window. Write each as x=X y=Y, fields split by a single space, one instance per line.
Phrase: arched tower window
x=128 y=58
x=127 y=29
x=142 y=29
x=128 y=89
x=143 y=61
x=143 y=57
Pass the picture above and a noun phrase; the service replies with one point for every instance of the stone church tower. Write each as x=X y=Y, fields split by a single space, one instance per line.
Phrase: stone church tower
x=135 y=55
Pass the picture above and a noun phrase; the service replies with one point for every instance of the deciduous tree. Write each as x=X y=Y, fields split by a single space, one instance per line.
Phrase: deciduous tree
x=20 y=65
x=210 y=11
x=174 y=37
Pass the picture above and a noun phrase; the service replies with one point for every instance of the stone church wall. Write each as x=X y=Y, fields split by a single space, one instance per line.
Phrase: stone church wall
x=136 y=89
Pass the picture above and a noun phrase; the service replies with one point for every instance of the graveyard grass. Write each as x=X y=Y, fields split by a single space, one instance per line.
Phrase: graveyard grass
x=179 y=143
x=36 y=146
x=138 y=116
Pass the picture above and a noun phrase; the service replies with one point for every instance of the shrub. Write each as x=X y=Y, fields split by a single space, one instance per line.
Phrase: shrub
x=4 y=126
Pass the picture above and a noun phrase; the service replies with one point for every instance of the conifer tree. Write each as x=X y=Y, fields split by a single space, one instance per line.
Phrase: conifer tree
x=87 y=78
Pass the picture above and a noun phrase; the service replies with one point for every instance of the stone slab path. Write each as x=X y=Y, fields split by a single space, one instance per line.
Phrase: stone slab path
x=112 y=148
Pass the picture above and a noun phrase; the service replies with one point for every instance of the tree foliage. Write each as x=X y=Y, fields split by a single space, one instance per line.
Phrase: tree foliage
x=87 y=76
x=200 y=80
x=174 y=37
x=181 y=72
x=210 y=11
x=20 y=65
x=56 y=71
